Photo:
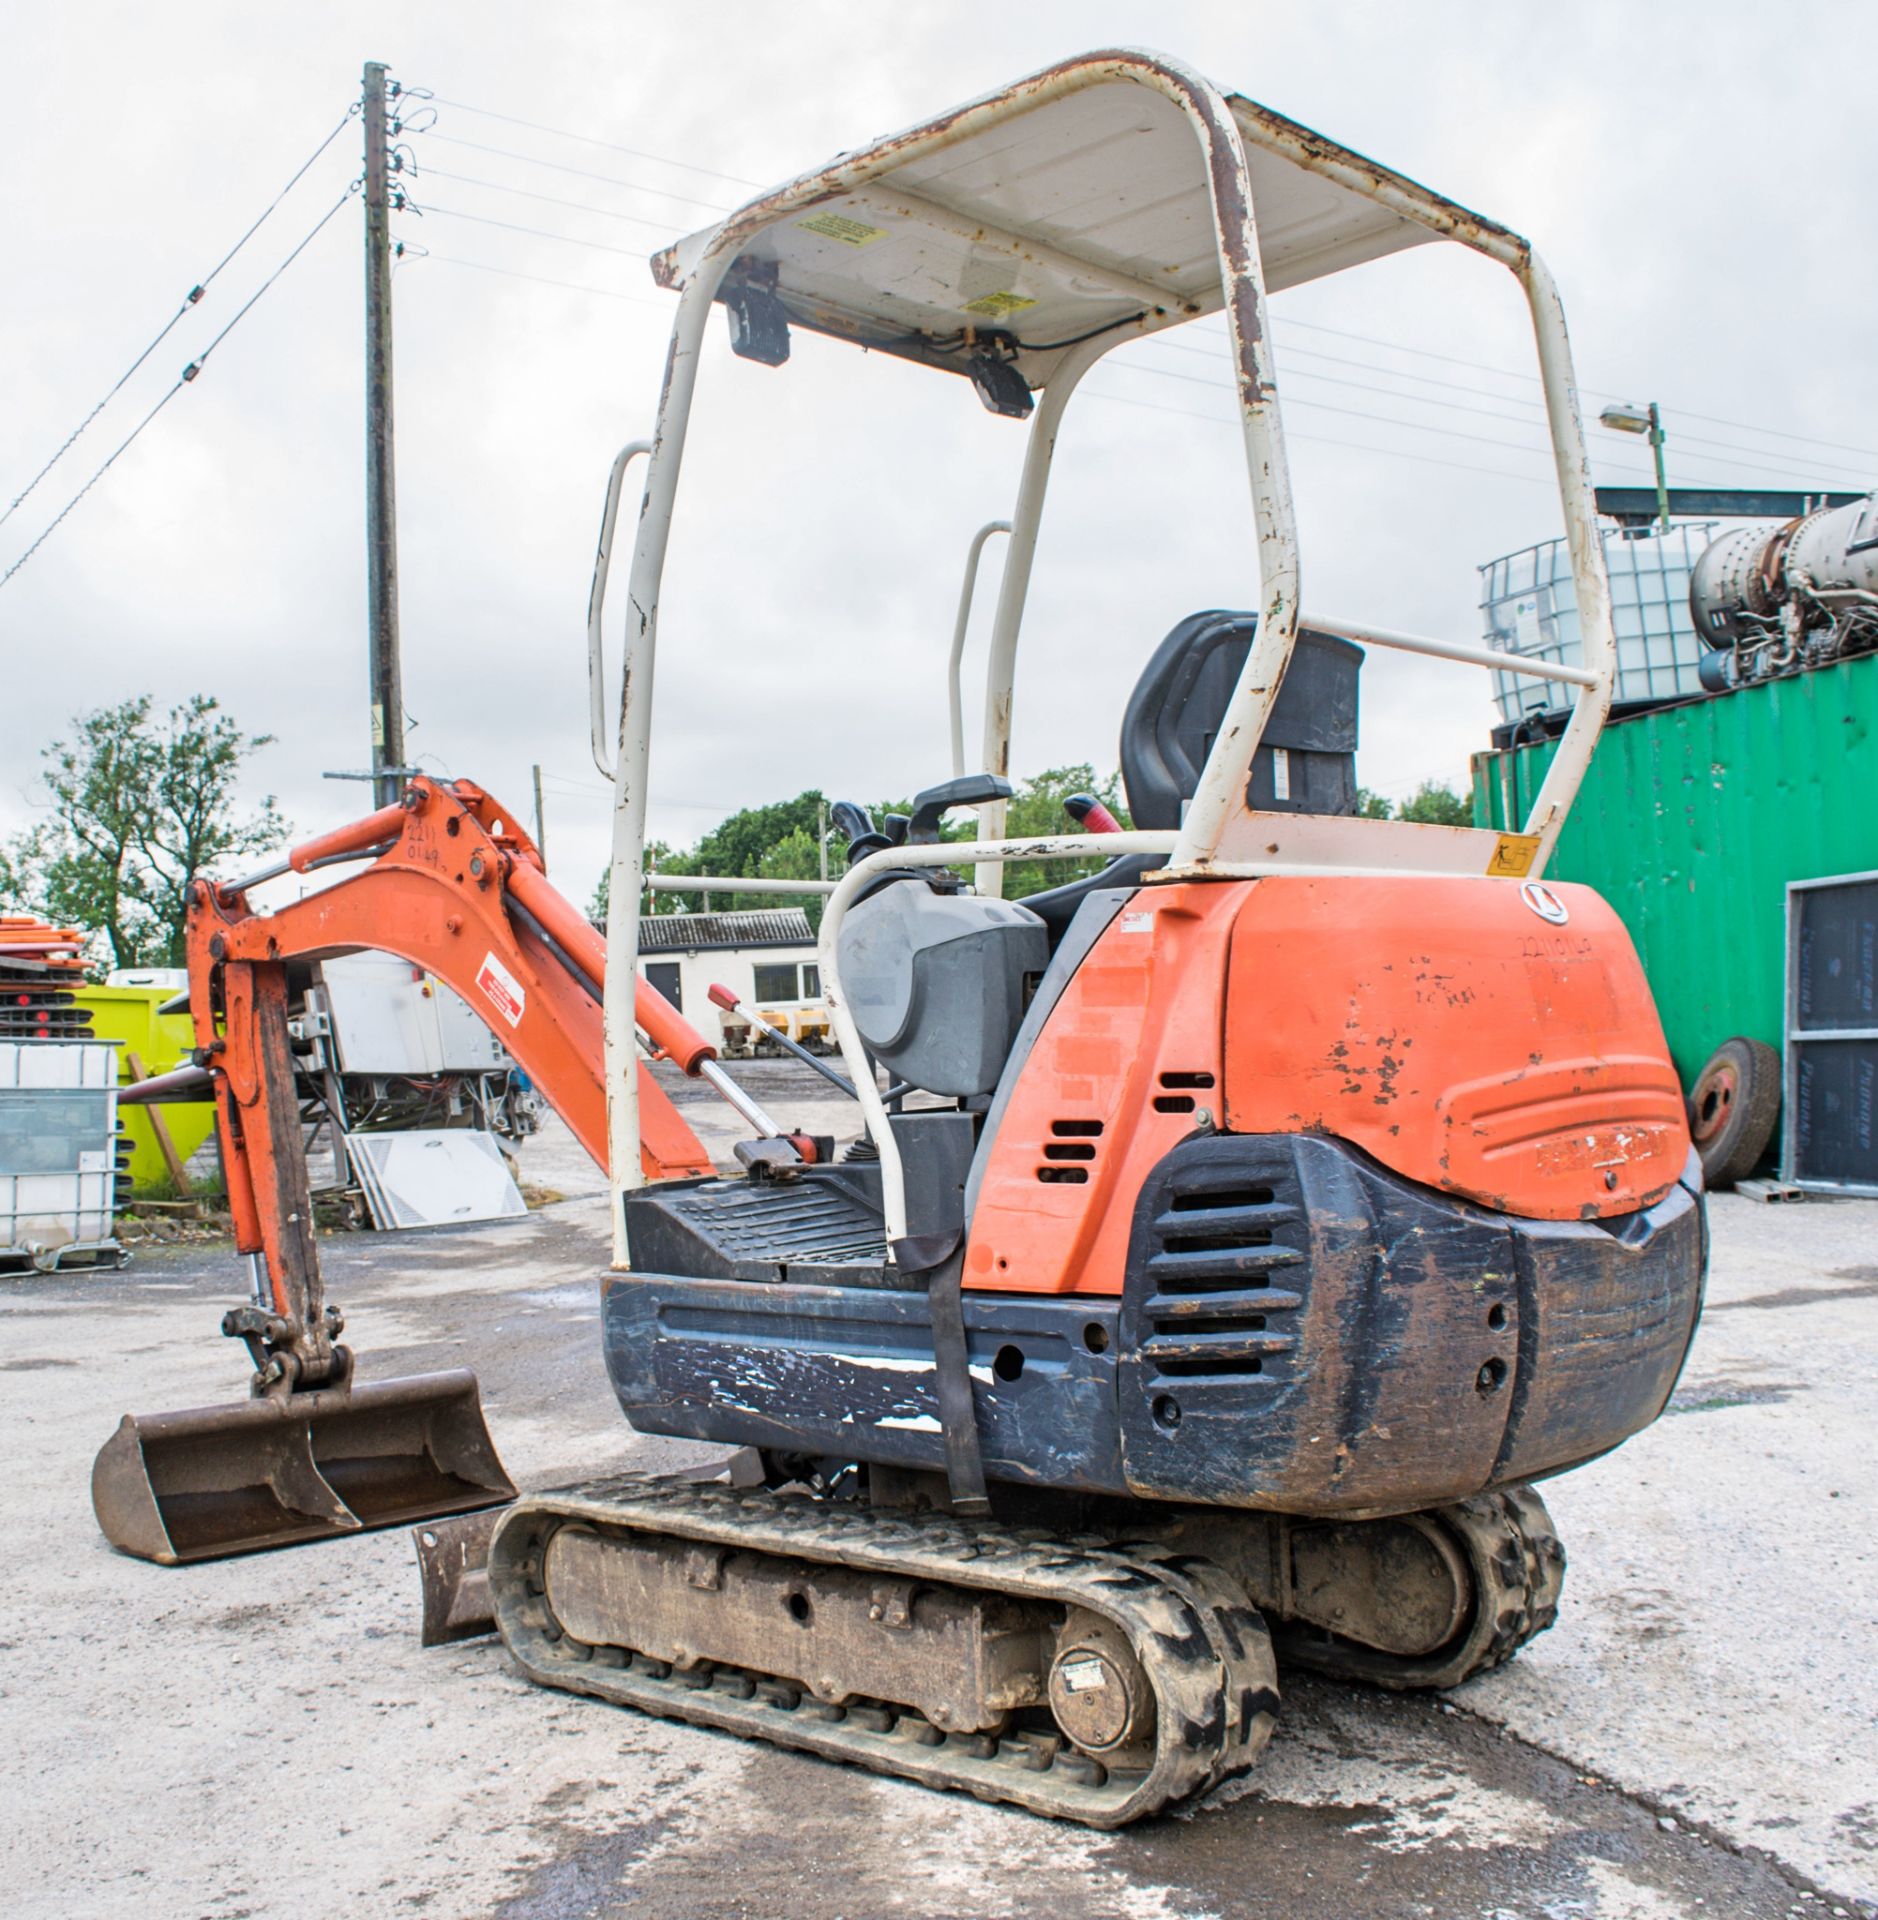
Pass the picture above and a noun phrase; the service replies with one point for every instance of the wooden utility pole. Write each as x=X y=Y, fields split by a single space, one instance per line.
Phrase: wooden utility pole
x=381 y=499
x=541 y=821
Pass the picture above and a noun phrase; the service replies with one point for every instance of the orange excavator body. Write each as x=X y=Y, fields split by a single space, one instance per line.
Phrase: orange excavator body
x=1376 y=1011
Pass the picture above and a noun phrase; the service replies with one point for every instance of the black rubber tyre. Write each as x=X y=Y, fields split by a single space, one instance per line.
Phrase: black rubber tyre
x=1733 y=1107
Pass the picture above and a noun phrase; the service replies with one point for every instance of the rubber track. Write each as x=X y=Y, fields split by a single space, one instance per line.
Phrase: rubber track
x=1201 y=1643
x=1518 y=1564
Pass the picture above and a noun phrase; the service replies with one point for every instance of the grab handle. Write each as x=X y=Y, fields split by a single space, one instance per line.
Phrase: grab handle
x=596 y=605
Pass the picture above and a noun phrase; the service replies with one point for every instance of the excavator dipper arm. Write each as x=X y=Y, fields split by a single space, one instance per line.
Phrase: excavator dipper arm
x=453 y=887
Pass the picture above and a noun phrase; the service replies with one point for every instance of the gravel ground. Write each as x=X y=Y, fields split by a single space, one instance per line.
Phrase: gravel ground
x=1698 y=1736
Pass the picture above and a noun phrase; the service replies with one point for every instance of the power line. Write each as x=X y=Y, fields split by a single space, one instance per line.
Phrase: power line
x=1358 y=413
x=183 y=379
x=1507 y=373
x=190 y=299
x=1318 y=439
x=553 y=200
x=1217 y=356
x=1517 y=400
x=1335 y=380
x=587 y=139
x=1790 y=470
x=608 y=293
x=542 y=280
x=1473 y=365
x=583 y=173
x=1359 y=446
x=540 y=233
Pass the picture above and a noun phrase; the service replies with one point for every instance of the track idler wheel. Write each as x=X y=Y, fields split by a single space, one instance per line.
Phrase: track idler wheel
x=1514 y=1567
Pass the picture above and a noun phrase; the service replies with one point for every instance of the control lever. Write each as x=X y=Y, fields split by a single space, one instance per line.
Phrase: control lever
x=777 y=1146
x=931 y=806
x=1090 y=814
x=723 y=997
x=856 y=825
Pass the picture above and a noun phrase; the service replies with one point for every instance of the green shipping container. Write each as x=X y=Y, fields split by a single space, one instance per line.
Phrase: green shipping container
x=1691 y=821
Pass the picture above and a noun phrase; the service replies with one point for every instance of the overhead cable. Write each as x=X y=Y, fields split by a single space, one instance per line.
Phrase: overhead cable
x=190 y=299
x=539 y=233
x=1507 y=373
x=183 y=379
x=582 y=173
x=549 y=199
x=542 y=280
x=588 y=139
x=1358 y=446
x=1284 y=321
x=1789 y=467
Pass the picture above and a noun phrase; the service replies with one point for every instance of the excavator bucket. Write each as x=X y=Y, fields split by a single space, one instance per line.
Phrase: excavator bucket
x=215 y=1481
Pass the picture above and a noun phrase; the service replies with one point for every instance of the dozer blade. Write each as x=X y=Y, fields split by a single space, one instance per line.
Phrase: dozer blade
x=453 y=1555
x=453 y=1565
x=214 y=1481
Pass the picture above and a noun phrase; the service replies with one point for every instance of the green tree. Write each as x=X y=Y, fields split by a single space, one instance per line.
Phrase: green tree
x=778 y=842
x=659 y=858
x=740 y=844
x=137 y=808
x=1436 y=804
x=1038 y=810
x=1373 y=806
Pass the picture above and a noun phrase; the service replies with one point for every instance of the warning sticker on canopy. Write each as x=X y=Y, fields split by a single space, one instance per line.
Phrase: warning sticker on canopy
x=503 y=990
x=837 y=226
x=999 y=306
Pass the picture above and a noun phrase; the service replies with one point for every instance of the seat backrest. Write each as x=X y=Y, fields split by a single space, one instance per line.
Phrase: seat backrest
x=1174 y=715
x=1180 y=699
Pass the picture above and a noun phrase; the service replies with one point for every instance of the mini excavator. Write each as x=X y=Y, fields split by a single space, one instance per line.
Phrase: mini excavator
x=1269 y=1209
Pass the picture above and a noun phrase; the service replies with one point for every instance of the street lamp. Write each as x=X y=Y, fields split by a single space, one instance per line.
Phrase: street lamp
x=1629 y=419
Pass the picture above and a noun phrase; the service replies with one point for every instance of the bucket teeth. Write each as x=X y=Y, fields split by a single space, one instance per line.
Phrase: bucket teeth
x=215 y=1481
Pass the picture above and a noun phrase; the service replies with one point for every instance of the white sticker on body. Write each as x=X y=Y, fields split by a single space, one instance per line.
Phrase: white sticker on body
x=1137 y=923
x=502 y=990
x=1083 y=1676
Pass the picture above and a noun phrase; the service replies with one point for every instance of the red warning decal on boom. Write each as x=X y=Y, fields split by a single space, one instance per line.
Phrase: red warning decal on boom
x=504 y=991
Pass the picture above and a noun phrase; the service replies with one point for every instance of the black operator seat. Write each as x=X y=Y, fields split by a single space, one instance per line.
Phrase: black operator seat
x=1306 y=762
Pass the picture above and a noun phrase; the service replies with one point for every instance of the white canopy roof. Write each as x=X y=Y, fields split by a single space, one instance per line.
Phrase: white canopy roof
x=1085 y=212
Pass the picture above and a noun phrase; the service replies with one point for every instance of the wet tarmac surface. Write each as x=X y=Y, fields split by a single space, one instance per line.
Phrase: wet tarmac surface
x=251 y=1736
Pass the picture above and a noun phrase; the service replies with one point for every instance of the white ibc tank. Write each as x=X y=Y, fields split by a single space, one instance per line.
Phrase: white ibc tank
x=1527 y=606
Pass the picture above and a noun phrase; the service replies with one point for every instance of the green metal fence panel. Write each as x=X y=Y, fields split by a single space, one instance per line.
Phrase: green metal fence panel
x=1692 y=820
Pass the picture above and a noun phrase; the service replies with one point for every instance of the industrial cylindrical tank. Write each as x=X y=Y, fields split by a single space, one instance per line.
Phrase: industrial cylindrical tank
x=1822 y=565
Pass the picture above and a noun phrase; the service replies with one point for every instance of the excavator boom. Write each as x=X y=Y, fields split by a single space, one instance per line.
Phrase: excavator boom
x=455 y=887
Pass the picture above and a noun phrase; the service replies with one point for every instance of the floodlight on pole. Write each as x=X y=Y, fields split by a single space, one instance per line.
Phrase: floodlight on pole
x=1623 y=418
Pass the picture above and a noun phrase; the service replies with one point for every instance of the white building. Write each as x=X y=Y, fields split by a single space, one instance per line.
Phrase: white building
x=767 y=959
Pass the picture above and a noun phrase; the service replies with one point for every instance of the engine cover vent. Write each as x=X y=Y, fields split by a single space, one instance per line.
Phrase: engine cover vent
x=1214 y=1253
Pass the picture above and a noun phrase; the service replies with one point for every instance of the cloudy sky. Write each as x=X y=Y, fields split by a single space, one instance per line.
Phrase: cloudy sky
x=1698 y=176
